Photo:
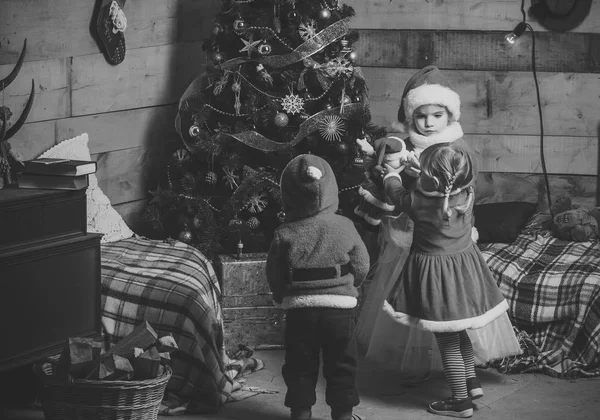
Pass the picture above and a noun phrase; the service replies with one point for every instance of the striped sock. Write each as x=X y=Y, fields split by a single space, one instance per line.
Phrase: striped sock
x=454 y=366
x=466 y=349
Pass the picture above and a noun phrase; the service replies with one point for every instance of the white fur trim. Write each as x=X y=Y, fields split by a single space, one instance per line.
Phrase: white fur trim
x=446 y=326
x=451 y=133
x=366 y=217
x=432 y=95
x=474 y=234
x=314 y=173
x=367 y=196
x=399 y=127
x=319 y=301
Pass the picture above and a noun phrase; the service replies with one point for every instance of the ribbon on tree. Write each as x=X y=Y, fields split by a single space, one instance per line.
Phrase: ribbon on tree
x=258 y=141
x=309 y=47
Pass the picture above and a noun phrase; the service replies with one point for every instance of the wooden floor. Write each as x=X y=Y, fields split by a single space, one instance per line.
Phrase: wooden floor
x=386 y=396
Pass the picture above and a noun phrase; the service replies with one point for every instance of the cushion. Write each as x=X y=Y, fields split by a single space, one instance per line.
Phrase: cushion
x=101 y=216
x=502 y=222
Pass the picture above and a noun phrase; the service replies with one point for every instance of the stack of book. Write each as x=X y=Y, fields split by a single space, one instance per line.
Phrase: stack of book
x=56 y=174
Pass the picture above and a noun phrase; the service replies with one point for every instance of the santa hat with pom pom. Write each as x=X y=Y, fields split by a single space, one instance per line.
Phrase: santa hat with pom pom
x=428 y=86
x=308 y=187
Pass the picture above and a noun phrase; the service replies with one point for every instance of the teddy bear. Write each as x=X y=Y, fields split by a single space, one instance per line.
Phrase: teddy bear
x=571 y=223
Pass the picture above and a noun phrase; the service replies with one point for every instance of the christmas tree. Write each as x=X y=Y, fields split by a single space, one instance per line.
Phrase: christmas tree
x=280 y=81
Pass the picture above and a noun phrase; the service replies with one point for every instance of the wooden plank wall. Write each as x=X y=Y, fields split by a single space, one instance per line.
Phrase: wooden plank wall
x=499 y=108
x=128 y=110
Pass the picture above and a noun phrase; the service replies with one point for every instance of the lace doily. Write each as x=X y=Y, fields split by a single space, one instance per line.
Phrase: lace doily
x=101 y=216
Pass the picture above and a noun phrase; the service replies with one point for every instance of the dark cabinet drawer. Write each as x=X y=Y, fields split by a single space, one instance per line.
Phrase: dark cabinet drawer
x=48 y=293
x=28 y=216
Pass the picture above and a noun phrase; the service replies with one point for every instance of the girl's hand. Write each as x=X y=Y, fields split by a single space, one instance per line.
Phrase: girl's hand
x=413 y=167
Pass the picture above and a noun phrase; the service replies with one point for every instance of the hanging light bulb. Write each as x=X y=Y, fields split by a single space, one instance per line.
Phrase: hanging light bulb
x=512 y=37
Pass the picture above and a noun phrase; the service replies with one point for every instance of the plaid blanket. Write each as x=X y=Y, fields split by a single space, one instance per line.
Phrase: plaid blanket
x=174 y=287
x=553 y=289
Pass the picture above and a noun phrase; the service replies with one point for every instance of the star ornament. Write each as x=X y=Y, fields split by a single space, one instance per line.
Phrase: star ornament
x=332 y=128
x=250 y=45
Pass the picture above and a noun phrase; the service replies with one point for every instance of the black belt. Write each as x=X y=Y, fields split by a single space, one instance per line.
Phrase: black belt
x=310 y=274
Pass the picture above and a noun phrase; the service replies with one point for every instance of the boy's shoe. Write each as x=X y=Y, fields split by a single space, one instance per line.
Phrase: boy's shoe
x=301 y=414
x=452 y=407
x=474 y=388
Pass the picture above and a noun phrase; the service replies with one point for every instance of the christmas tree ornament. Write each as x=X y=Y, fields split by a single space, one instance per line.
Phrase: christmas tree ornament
x=250 y=45
x=292 y=104
x=346 y=100
x=218 y=29
x=356 y=99
x=197 y=222
x=276 y=17
x=338 y=66
x=358 y=158
x=264 y=49
x=239 y=25
x=325 y=14
x=181 y=155
x=264 y=75
x=341 y=148
x=210 y=178
x=220 y=85
x=332 y=127
x=231 y=179
x=239 y=249
x=186 y=236
x=293 y=17
x=217 y=57
x=352 y=56
x=236 y=87
x=345 y=45
x=281 y=216
x=281 y=119
x=328 y=106
x=253 y=223
x=257 y=203
x=194 y=131
x=307 y=29
x=235 y=223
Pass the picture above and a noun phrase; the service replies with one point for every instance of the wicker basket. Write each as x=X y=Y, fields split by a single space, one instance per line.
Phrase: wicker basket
x=82 y=399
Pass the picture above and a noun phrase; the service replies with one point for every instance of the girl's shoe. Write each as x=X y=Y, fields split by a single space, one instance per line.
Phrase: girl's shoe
x=452 y=407
x=474 y=388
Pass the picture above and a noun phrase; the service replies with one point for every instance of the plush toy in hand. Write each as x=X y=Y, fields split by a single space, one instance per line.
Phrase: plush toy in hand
x=575 y=224
x=373 y=202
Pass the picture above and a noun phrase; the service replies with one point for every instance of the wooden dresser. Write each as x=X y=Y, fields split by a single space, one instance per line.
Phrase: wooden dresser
x=49 y=274
x=249 y=316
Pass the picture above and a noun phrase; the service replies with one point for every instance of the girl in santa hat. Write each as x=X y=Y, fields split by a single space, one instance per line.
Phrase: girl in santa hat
x=429 y=112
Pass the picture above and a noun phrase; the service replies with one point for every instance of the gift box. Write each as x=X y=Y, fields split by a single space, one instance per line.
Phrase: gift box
x=249 y=316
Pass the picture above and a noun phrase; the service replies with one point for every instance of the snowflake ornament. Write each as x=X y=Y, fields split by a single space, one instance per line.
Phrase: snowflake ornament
x=332 y=127
x=221 y=83
x=338 y=66
x=257 y=202
x=292 y=104
x=308 y=29
x=231 y=178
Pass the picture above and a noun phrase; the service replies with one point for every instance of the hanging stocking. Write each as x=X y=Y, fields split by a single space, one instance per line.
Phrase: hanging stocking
x=107 y=26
